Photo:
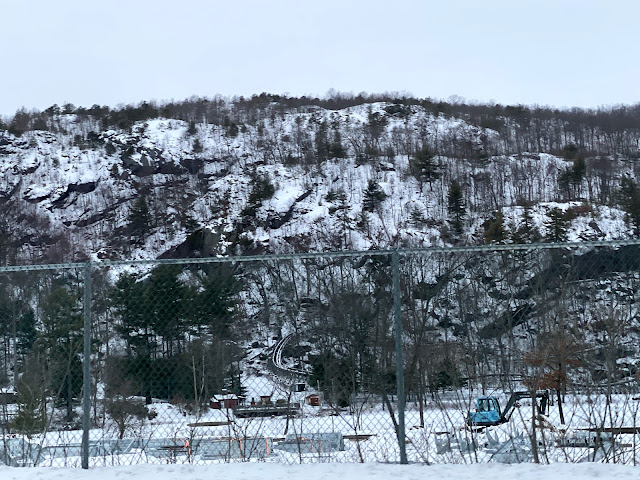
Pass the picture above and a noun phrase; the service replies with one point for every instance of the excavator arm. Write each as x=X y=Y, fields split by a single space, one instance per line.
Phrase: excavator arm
x=509 y=408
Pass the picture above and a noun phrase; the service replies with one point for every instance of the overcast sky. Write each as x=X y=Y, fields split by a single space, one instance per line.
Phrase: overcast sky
x=548 y=52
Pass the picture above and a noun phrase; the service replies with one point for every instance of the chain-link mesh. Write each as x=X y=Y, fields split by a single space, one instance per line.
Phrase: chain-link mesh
x=506 y=354
x=41 y=373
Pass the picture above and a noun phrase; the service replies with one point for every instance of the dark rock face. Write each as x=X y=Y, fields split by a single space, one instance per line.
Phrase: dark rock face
x=63 y=200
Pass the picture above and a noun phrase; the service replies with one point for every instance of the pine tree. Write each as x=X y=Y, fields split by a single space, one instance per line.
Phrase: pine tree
x=26 y=331
x=456 y=207
x=61 y=342
x=336 y=150
x=363 y=222
x=129 y=300
x=261 y=189
x=494 y=231
x=31 y=417
x=417 y=217
x=629 y=196
x=214 y=306
x=233 y=130
x=322 y=143
x=527 y=232
x=423 y=166
x=373 y=196
x=557 y=225
x=570 y=180
x=167 y=305
x=139 y=220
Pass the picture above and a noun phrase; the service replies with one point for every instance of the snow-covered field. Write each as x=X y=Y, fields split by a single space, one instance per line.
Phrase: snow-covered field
x=368 y=434
x=330 y=471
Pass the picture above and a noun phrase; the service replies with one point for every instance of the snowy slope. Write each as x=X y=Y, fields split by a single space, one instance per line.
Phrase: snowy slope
x=79 y=184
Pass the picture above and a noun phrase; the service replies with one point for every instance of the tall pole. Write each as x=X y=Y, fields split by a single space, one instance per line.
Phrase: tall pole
x=397 y=314
x=86 y=370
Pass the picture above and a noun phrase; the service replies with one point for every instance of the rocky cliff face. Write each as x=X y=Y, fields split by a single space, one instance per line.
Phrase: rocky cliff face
x=282 y=179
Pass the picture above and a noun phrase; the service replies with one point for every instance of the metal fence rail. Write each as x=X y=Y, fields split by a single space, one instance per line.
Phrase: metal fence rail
x=415 y=355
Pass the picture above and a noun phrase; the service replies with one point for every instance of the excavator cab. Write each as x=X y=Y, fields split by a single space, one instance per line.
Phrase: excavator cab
x=487 y=412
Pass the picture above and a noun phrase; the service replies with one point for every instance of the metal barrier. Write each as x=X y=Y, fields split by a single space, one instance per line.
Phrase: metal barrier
x=346 y=357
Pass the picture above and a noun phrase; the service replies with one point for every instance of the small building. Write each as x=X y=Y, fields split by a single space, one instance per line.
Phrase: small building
x=227 y=401
x=313 y=400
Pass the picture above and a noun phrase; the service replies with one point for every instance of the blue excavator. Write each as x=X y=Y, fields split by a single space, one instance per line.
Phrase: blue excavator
x=488 y=412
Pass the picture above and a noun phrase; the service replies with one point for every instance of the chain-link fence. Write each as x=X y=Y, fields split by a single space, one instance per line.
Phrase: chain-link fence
x=502 y=353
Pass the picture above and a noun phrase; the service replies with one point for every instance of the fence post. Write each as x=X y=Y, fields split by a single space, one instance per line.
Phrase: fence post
x=86 y=366
x=397 y=314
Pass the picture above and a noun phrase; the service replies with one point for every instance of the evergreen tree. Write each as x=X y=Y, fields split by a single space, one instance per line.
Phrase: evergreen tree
x=570 y=180
x=336 y=150
x=527 y=232
x=31 y=417
x=423 y=166
x=17 y=318
x=331 y=374
x=129 y=300
x=373 y=196
x=377 y=123
x=233 y=381
x=447 y=376
x=494 y=231
x=215 y=303
x=261 y=189
x=456 y=208
x=166 y=306
x=26 y=331
x=363 y=222
x=150 y=312
x=417 y=217
x=233 y=130
x=6 y=316
x=61 y=341
x=629 y=197
x=557 y=225
x=322 y=145
x=139 y=220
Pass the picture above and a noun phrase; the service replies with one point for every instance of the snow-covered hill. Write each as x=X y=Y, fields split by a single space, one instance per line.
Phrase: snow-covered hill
x=236 y=177
x=281 y=179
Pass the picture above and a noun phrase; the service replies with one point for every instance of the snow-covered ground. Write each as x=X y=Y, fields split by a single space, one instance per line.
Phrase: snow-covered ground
x=368 y=437
x=329 y=471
